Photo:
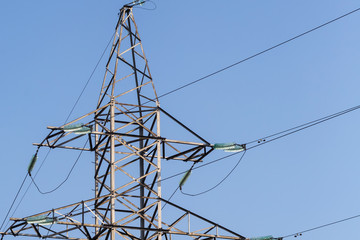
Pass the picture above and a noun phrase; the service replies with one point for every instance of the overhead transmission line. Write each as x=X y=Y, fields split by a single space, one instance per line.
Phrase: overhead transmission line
x=257 y=54
x=301 y=127
x=214 y=73
x=321 y=226
x=225 y=68
x=12 y=204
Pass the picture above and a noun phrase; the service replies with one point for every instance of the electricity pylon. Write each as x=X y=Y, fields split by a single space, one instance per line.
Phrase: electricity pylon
x=124 y=134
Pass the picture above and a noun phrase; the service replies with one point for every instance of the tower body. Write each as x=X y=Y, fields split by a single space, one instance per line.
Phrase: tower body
x=127 y=128
x=124 y=134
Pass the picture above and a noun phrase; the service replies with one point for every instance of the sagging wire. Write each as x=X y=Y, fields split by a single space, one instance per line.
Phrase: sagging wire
x=187 y=175
x=67 y=177
x=218 y=184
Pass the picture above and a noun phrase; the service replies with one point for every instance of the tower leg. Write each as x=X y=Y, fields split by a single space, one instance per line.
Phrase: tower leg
x=112 y=168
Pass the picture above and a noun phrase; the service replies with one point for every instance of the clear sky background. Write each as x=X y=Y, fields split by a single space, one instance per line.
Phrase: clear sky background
x=48 y=49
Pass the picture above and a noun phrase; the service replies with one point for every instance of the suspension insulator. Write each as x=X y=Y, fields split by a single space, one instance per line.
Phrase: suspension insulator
x=184 y=179
x=32 y=163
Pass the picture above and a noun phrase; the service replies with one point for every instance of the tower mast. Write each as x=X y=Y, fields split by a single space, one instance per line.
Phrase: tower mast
x=124 y=134
x=128 y=67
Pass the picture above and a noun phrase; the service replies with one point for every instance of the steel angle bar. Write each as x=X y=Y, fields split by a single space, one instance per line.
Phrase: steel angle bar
x=202 y=218
x=133 y=89
x=130 y=48
x=181 y=124
x=129 y=31
x=131 y=66
x=123 y=78
x=183 y=153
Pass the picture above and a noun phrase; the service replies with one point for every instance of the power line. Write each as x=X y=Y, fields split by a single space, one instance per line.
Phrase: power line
x=305 y=126
x=255 y=55
x=12 y=204
x=321 y=226
x=170 y=197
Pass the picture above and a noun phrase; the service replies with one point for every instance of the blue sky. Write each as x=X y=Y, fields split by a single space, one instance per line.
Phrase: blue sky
x=49 y=49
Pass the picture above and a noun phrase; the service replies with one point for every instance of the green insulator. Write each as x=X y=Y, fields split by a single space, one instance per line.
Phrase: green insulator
x=138 y=2
x=223 y=146
x=41 y=220
x=83 y=130
x=263 y=238
x=184 y=179
x=73 y=127
x=32 y=163
x=48 y=221
x=236 y=148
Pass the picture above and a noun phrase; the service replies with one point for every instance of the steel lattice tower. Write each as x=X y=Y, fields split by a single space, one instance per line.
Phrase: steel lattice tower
x=128 y=146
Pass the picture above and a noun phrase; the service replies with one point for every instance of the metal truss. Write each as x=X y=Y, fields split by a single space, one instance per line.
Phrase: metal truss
x=71 y=222
x=128 y=147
